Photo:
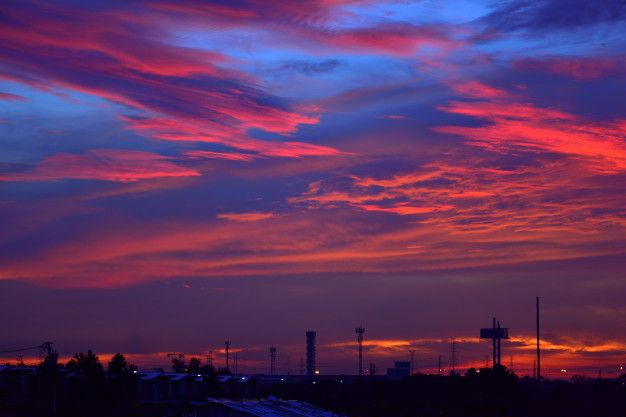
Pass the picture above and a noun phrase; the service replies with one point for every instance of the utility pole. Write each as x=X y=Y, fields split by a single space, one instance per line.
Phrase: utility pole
x=51 y=370
x=412 y=356
x=495 y=347
x=310 y=352
x=499 y=346
x=227 y=350
x=538 y=344
x=439 y=370
x=272 y=360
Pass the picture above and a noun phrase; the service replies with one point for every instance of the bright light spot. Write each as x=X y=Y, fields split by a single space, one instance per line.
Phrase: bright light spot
x=317 y=372
x=563 y=370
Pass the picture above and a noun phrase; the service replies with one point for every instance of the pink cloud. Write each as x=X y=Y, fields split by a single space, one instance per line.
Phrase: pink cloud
x=202 y=131
x=315 y=27
x=105 y=165
x=229 y=156
x=475 y=89
x=11 y=97
x=513 y=125
x=183 y=94
x=582 y=68
x=395 y=39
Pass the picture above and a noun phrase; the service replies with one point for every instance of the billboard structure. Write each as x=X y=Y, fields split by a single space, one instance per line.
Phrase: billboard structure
x=496 y=334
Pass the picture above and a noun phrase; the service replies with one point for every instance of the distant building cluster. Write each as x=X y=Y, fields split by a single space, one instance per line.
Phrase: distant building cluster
x=401 y=369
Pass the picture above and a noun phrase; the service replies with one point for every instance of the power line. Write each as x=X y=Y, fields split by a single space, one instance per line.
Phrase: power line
x=41 y=346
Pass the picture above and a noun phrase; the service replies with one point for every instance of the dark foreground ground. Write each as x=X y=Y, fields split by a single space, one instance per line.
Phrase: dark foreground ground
x=91 y=391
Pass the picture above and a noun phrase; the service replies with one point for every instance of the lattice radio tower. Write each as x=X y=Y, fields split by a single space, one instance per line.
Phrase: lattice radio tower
x=359 y=338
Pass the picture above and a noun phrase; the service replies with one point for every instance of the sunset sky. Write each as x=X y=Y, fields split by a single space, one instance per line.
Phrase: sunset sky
x=175 y=174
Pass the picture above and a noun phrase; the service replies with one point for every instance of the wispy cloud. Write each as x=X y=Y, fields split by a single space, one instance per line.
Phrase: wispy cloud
x=103 y=164
x=245 y=217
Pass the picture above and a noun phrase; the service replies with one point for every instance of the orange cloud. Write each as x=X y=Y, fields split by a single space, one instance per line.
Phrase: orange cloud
x=245 y=217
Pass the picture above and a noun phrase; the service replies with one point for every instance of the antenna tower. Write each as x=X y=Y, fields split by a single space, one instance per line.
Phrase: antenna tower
x=227 y=350
x=453 y=357
x=359 y=337
x=272 y=360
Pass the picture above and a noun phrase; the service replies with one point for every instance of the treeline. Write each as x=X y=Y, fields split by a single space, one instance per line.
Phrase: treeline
x=84 y=386
x=486 y=392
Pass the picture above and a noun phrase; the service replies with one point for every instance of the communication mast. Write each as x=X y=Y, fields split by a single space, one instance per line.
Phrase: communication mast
x=272 y=360
x=453 y=356
x=359 y=337
x=310 y=352
x=227 y=350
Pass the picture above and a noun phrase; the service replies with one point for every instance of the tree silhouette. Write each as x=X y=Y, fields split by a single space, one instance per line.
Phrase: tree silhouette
x=86 y=383
x=87 y=365
x=208 y=370
x=121 y=384
x=178 y=365
x=119 y=367
x=194 y=366
x=49 y=379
